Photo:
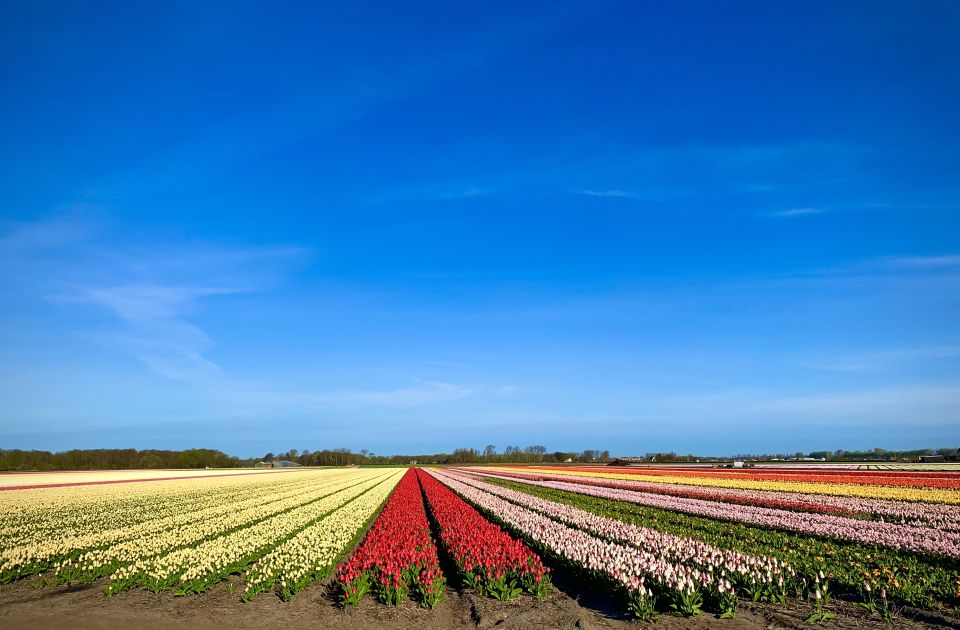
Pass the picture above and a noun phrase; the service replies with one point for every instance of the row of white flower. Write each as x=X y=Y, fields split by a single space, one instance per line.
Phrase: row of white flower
x=193 y=567
x=148 y=541
x=52 y=546
x=27 y=516
x=312 y=553
x=643 y=566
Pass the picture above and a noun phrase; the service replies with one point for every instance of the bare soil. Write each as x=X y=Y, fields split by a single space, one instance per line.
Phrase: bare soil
x=79 y=607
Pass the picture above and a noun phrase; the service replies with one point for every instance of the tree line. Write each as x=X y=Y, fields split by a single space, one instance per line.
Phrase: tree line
x=871 y=455
x=536 y=453
x=115 y=459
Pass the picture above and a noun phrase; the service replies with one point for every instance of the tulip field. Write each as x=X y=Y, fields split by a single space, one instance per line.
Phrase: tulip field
x=659 y=540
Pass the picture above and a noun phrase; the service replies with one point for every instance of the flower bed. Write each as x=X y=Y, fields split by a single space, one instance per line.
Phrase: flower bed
x=398 y=554
x=487 y=558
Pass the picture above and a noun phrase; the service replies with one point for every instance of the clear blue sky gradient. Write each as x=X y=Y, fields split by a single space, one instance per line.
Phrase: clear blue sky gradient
x=709 y=226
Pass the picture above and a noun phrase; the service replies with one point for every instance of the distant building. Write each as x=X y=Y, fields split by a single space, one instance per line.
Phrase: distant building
x=929 y=459
x=277 y=463
x=624 y=461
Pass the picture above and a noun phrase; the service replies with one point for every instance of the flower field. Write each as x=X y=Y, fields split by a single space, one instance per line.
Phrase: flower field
x=663 y=541
x=907 y=550
x=398 y=554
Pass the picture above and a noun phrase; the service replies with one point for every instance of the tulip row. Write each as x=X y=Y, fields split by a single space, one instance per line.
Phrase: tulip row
x=681 y=491
x=487 y=558
x=762 y=575
x=917 y=539
x=935 y=515
x=35 y=516
x=398 y=554
x=917 y=480
x=310 y=555
x=922 y=581
x=931 y=495
x=89 y=555
x=194 y=568
x=645 y=574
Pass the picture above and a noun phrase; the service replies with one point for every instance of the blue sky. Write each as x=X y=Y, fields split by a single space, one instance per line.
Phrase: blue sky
x=712 y=226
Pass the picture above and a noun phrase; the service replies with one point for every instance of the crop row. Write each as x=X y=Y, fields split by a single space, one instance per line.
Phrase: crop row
x=788 y=503
x=934 y=515
x=89 y=554
x=153 y=541
x=487 y=558
x=310 y=555
x=759 y=575
x=917 y=480
x=931 y=495
x=195 y=566
x=397 y=555
x=918 y=580
x=640 y=567
x=29 y=516
x=917 y=539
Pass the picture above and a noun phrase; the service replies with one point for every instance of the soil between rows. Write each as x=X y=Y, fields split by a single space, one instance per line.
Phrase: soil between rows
x=85 y=607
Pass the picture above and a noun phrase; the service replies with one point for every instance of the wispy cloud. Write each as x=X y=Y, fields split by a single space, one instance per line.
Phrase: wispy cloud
x=884 y=360
x=147 y=294
x=255 y=399
x=797 y=212
x=25 y=238
x=153 y=328
x=921 y=262
x=426 y=392
x=149 y=289
x=608 y=193
x=137 y=303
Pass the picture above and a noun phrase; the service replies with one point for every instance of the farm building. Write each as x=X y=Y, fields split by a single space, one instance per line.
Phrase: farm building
x=278 y=463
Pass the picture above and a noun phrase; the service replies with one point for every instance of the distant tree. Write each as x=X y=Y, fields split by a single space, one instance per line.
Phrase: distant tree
x=150 y=460
x=489 y=452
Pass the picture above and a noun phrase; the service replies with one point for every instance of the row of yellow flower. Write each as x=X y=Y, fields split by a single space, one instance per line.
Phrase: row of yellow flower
x=313 y=552
x=35 y=516
x=143 y=545
x=78 y=551
x=929 y=495
x=12 y=480
x=192 y=565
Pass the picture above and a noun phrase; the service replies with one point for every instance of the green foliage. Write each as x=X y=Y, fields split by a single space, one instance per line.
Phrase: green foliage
x=686 y=603
x=918 y=580
x=115 y=459
x=641 y=606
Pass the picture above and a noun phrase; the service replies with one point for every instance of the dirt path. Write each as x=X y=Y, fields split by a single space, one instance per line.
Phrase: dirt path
x=85 y=607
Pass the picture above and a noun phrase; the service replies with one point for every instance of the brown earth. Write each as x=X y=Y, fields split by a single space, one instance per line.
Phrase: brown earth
x=22 y=605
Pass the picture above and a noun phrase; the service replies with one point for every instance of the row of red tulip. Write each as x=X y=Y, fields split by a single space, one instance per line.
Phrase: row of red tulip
x=397 y=555
x=487 y=558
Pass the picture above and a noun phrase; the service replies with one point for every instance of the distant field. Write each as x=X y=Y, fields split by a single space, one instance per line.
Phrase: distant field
x=764 y=545
x=10 y=480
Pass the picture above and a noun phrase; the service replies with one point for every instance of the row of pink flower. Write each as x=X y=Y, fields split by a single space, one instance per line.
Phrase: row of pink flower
x=639 y=570
x=679 y=550
x=935 y=515
x=917 y=539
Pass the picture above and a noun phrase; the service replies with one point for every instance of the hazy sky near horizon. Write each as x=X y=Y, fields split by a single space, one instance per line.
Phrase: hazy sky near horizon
x=716 y=227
